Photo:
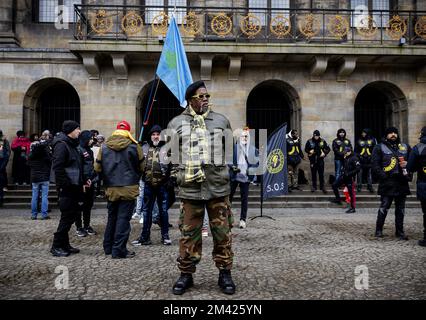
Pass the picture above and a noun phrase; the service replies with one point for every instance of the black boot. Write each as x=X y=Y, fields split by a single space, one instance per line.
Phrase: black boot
x=422 y=242
x=59 y=252
x=381 y=216
x=225 y=282
x=184 y=282
x=401 y=235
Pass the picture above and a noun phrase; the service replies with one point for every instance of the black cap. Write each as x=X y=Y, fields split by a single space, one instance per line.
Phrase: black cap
x=155 y=128
x=317 y=133
x=69 y=126
x=192 y=88
x=391 y=130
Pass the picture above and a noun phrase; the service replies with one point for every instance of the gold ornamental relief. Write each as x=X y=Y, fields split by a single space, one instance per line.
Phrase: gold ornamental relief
x=79 y=29
x=160 y=24
x=367 y=27
x=396 y=28
x=309 y=26
x=100 y=22
x=338 y=26
x=280 y=26
x=132 y=23
x=221 y=24
x=420 y=27
x=250 y=25
x=191 y=24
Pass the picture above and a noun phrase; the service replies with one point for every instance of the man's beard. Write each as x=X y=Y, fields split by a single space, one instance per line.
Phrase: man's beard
x=155 y=143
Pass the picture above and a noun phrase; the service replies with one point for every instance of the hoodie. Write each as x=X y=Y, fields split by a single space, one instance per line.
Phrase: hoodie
x=88 y=158
x=339 y=145
x=364 y=147
x=118 y=162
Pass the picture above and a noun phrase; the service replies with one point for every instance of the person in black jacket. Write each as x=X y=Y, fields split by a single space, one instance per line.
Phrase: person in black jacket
x=40 y=162
x=294 y=157
x=389 y=165
x=364 y=150
x=417 y=163
x=351 y=167
x=338 y=146
x=89 y=174
x=67 y=168
x=4 y=159
x=317 y=149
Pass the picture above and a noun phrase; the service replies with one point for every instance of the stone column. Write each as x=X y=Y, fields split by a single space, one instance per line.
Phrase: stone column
x=7 y=24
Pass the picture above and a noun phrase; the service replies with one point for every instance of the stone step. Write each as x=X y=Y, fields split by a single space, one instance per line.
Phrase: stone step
x=237 y=198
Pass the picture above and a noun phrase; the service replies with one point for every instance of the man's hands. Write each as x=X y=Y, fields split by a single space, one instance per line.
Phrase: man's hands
x=87 y=185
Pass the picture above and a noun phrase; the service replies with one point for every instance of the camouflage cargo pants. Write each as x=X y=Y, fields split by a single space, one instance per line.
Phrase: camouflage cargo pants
x=190 y=225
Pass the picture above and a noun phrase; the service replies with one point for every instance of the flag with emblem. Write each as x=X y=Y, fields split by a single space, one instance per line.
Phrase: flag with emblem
x=275 y=176
x=173 y=68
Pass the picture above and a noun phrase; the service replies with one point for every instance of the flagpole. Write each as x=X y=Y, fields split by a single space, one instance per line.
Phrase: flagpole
x=261 y=204
x=144 y=120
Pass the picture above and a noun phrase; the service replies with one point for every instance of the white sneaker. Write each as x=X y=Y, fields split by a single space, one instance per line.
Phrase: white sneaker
x=141 y=220
x=204 y=232
x=136 y=216
x=242 y=224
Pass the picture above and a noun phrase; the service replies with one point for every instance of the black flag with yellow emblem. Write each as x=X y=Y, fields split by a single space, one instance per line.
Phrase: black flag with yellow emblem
x=275 y=176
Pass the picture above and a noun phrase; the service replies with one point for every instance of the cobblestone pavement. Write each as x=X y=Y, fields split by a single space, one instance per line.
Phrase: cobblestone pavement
x=301 y=255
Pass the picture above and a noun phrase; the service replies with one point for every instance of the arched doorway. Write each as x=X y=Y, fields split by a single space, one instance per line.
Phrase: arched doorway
x=378 y=105
x=48 y=103
x=165 y=107
x=270 y=104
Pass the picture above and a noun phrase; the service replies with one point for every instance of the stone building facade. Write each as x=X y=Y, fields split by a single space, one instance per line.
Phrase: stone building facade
x=99 y=70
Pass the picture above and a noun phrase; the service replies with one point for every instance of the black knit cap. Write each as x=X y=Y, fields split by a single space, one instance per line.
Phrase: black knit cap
x=190 y=91
x=155 y=128
x=317 y=133
x=69 y=126
x=391 y=130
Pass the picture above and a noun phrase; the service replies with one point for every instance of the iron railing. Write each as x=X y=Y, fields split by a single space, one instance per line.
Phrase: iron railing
x=200 y=24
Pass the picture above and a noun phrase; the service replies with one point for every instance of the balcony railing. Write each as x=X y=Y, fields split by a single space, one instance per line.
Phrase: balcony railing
x=273 y=25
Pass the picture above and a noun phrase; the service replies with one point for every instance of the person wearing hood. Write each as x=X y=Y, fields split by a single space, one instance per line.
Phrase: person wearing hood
x=245 y=160
x=21 y=149
x=350 y=168
x=40 y=163
x=294 y=157
x=155 y=175
x=89 y=174
x=317 y=149
x=4 y=159
x=389 y=163
x=364 y=149
x=417 y=163
x=67 y=173
x=338 y=146
x=120 y=164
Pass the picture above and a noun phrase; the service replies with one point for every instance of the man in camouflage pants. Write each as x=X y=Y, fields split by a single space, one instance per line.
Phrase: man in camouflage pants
x=203 y=184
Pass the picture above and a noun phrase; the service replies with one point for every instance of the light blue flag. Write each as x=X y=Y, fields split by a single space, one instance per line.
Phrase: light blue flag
x=173 y=68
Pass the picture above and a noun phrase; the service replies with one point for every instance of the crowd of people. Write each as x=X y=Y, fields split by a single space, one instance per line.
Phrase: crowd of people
x=139 y=183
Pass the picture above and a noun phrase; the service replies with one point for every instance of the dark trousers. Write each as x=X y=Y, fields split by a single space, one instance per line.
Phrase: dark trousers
x=86 y=208
x=386 y=202
x=244 y=191
x=152 y=194
x=70 y=210
x=348 y=182
x=364 y=173
x=117 y=230
x=423 y=203
x=317 y=167
x=3 y=182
